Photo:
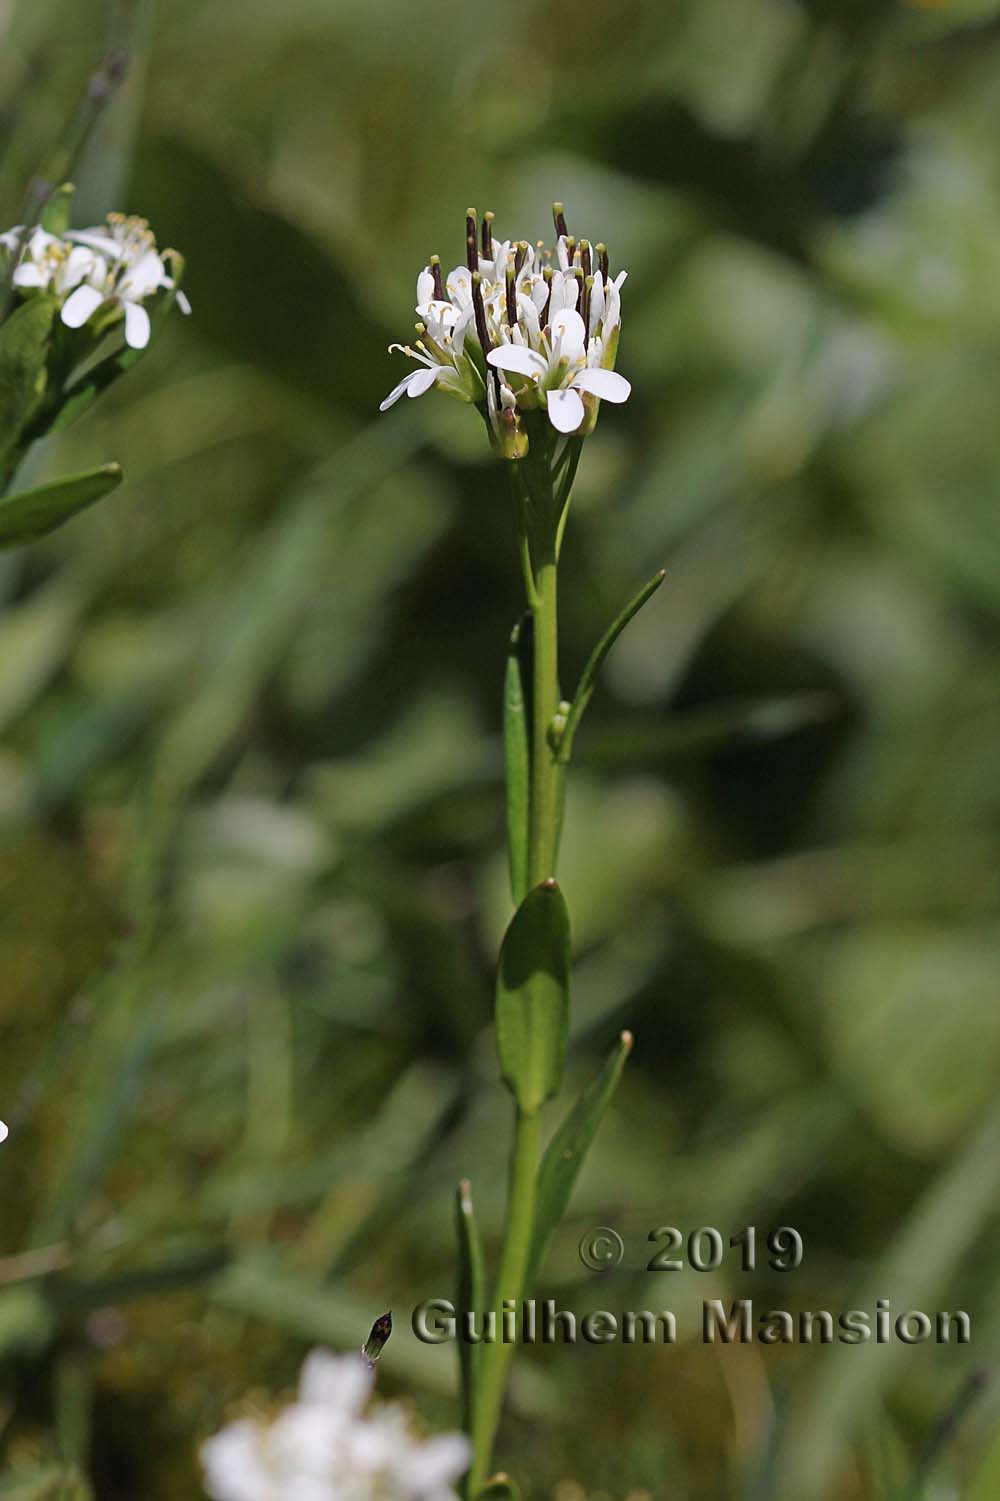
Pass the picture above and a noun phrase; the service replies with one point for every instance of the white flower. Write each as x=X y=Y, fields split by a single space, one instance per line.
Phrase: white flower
x=115 y=266
x=549 y=318
x=47 y=263
x=562 y=368
x=325 y=1447
x=128 y=269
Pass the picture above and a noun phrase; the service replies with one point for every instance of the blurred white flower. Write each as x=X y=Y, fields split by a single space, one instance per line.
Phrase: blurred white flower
x=326 y=1447
x=47 y=263
x=128 y=269
x=114 y=267
x=549 y=318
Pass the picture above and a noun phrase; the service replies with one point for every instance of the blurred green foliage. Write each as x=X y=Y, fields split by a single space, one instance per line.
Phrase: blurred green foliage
x=250 y=785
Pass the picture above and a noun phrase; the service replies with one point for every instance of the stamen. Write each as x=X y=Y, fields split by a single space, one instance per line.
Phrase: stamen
x=585 y=257
x=487 y=232
x=588 y=287
x=520 y=256
x=559 y=218
x=578 y=274
x=438 y=282
x=571 y=249
x=471 y=246
x=602 y=259
x=511 y=298
x=547 y=278
x=482 y=331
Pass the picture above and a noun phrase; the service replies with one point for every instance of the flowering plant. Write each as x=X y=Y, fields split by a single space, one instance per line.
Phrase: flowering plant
x=327 y=1445
x=529 y=335
x=81 y=306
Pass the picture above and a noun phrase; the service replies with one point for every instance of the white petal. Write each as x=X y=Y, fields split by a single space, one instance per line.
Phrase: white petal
x=340 y=1383
x=596 y=302
x=461 y=328
x=397 y=391
x=568 y=334
x=422 y=381
x=98 y=240
x=183 y=302
x=425 y=288
x=29 y=275
x=136 y=326
x=437 y=1462
x=606 y=384
x=565 y=410
x=515 y=357
x=4 y=1132
x=459 y=286
x=79 y=305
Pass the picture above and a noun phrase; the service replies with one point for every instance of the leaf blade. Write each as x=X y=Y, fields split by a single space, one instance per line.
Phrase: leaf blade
x=470 y=1293
x=565 y=1153
x=532 y=998
x=517 y=754
x=588 y=678
x=33 y=513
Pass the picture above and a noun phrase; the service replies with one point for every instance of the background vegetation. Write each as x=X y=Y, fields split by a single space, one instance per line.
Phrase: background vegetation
x=252 y=870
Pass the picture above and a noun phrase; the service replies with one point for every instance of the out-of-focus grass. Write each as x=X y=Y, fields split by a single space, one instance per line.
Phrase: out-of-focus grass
x=252 y=876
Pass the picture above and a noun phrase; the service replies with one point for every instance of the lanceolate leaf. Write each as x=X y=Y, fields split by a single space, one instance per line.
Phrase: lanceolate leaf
x=532 y=1009
x=517 y=754
x=586 y=685
x=470 y=1292
x=32 y=513
x=565 y=1153
x=24 y=340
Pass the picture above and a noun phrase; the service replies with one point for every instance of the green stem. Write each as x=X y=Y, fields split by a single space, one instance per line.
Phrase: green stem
x=544 y=767
x=539 y=550
x=514 y=1259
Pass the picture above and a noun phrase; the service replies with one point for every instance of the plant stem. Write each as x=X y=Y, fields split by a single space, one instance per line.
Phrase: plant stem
x=544 y=768
x=540 y=557
x=510 y=1285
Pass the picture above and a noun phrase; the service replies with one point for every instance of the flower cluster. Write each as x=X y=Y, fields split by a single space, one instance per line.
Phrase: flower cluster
x=324 y=1447
x=97 y=275
x=519 y=328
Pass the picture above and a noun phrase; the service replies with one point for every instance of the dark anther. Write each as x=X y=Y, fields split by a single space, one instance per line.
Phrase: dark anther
x=588 y=287
x=559 y=218
x=520 y=256
x=438 y=282
x=511 y=298
x=602 y=260
x=547 y=276
x=471 y=247
x=487 y=232
x=585 y=257
x=482 y=332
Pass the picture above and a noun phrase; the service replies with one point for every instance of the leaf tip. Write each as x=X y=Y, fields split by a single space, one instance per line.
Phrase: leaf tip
x=465 y=1196
x=627 y=1040
x=551 y=884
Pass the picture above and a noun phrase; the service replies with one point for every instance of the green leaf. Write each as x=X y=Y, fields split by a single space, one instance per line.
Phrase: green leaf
x=532 y=1007
x=32 y=513
x=585 y=687
x=565 y=1153
x=499 y=1487
x=470 y=1292
x=24 y=344
x=58 y=210
x=517 y=753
